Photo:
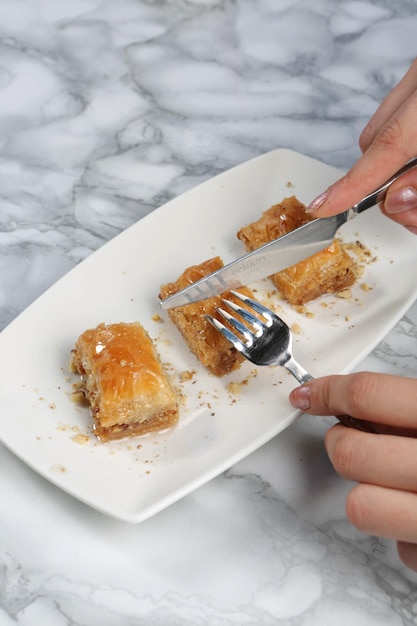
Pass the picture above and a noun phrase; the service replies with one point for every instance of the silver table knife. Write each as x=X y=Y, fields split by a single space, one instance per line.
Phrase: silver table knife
x=279 y=253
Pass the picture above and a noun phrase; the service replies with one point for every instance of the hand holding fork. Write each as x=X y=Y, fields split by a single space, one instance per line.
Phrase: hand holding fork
x=265 y=339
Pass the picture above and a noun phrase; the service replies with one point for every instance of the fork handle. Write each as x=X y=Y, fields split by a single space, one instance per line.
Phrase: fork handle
x=351 y=422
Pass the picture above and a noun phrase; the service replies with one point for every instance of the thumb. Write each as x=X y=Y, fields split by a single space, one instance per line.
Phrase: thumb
x=400 y=203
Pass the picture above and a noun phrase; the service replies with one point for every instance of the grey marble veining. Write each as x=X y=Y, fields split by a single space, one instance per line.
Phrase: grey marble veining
x=108 y=110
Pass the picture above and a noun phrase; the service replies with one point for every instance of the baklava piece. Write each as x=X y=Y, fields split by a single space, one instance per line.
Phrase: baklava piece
x=123 y=380
x=205 y=342
x=329 y=271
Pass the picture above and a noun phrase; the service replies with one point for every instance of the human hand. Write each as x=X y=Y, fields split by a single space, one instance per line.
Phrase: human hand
x=384 y=503
x=387 y=142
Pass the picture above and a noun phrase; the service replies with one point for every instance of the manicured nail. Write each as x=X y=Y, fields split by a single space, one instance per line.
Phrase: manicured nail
x=300 y=397
x=318 y=202
x=401 y=200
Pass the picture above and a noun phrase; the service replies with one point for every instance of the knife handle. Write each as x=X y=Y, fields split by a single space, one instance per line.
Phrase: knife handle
x=378 y=195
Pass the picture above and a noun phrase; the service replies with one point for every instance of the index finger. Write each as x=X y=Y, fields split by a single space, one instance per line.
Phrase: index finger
x=379 y=398
x=390 y=104
x=393 y=146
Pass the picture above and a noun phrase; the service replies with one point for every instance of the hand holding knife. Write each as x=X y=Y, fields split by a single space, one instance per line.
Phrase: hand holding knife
x=280 y=253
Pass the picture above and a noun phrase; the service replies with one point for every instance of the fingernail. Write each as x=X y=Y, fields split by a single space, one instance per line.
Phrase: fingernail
x=400 y=200
x=300 y=397
x=317 y=202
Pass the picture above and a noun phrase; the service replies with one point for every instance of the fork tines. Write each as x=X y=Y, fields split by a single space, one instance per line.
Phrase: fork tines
x=237 y=324
x=253 y=304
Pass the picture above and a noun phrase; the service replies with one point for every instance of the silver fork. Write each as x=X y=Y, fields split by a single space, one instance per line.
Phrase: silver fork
x=267 y=340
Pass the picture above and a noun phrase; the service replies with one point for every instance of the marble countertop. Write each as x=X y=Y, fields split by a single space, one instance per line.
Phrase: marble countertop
x=108 y=110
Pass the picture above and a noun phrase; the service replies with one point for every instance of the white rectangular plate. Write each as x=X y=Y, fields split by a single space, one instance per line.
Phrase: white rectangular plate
x=220 y=422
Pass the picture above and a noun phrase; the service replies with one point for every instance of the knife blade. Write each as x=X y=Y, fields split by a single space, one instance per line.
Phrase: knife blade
x=280 y=253
x=264 y=261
